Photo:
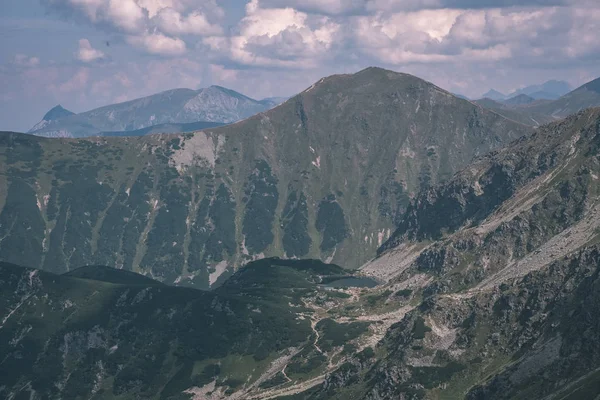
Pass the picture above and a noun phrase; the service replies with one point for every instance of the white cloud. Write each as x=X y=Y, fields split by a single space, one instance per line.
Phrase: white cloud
x=463 y=45
x=126 y=14
x=281 y=37
x=463 y=35
x=23 y=60
x=172 y=22
x=76 y=83
x=154 y=25
x=328 y=7
x=159 y=44
x=87 y=53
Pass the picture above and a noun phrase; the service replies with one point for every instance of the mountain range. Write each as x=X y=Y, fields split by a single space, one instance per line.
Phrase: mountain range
x=188 y=207
x=529 y=111
x=550 y=90
x=486 y=290
x=214 y=104
x=373 y=237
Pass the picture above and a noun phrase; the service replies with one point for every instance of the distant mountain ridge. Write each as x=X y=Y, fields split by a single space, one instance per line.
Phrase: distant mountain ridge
x=585 y=96
x=54 y=114
x=214 y=104
x=494 y=95
x=519 y=100
x=535 y=112
x=550 y=90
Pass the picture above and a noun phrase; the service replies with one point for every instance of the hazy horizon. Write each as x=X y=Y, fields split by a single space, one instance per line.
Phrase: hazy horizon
x=84 y=55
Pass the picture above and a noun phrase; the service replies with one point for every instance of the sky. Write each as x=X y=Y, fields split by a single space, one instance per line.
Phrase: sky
x=84 y=54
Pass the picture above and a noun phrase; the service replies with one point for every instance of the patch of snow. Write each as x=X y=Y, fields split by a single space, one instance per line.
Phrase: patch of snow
x=380 y=237
x=407 y=152
x=244 y=248
x=219 y=269
x=317 y=162
x=32 y=274
x=330 y=258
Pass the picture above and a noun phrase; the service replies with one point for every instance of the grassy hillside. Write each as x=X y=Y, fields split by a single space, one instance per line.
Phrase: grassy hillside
x=324 y=175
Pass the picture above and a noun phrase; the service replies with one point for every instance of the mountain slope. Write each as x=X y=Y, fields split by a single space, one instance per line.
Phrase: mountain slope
x=321 y=176
x=504 y=264
x=54 y=114
x=491 y=283
x=540 y=112
x=550 y=90
x=165 y=128
x=494 y=95
x=212 y=104
x=519 y=100
x=66 y=337
x=519 y=113
x=583 y=97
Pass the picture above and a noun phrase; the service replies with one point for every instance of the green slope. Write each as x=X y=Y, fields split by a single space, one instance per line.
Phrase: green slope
x=88 y=335
x=503 y=264
x=324 y=176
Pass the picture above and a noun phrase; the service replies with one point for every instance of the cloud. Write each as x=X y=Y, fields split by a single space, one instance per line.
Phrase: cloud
x=375 y=6
x=153 y=25
x=327 y=7
x=372 y=7
x=157 y=43
x=170 y=21
x=77 y=83
x=280 y=37
x=278 y=47
x=22 y=60
x=466 y=35
x=87 y=53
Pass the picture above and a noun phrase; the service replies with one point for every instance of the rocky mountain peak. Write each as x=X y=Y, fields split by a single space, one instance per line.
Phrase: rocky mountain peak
x=57 y=112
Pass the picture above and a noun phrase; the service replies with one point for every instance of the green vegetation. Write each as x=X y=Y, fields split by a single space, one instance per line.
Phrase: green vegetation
x=262 y=197
x=331 y=223
x=143 y=337
x=296 y=240
x=333 y=334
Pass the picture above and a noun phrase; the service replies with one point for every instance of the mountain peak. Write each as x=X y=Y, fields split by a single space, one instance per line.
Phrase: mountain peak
x=494 y=95
x=367 y=80
x=56 y=113
x=594 y=85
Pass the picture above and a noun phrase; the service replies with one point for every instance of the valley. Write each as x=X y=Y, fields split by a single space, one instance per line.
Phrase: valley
x=374 y=237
